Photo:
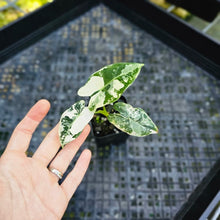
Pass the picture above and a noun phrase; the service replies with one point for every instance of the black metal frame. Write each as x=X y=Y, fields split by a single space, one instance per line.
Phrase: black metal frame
x=38 y=24
x=202 y=195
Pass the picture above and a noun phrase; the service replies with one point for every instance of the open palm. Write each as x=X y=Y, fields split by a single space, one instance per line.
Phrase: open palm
x=28 y=190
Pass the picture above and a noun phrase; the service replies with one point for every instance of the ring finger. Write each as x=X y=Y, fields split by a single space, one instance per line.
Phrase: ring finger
x=65 y=156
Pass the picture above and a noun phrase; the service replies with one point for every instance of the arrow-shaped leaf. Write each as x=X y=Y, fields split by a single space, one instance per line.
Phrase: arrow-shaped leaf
x=107 y=85
x=133 y=121
x=73 y=121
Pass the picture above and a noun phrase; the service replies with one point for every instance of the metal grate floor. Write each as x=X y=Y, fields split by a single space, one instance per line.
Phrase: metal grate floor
x=145 y=178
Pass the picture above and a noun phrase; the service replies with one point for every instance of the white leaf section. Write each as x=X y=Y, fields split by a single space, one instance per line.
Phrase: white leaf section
x=97 y=101
x=94 y=84
x=80 y=122
x=117 y=84
x=73 y=121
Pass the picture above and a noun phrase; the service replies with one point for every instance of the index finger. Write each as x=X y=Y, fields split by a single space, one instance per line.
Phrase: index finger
x=22 y=134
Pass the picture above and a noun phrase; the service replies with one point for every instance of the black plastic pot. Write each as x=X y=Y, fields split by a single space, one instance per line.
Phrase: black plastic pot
x=116 y=137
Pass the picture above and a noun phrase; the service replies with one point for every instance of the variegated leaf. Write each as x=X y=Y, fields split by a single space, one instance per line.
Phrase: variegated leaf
x=133 y=121
x=73 y=121
x=107 y=85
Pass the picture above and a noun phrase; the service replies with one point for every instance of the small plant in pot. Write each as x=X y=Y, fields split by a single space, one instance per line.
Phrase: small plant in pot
x=106 y=133
x=105 y=88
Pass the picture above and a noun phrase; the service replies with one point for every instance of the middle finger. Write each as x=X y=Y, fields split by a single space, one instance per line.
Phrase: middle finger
x=65 y=156
x=49 y=147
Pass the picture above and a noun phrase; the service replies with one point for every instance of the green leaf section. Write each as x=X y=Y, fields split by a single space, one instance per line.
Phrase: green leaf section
x=133 y=121
x=73 y=121
x=107 y=85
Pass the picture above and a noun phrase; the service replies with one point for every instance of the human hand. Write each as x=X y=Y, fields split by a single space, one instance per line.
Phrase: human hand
x=28 y=190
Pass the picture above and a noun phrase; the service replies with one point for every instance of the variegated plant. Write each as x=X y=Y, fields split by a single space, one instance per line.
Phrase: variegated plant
x=105 y=87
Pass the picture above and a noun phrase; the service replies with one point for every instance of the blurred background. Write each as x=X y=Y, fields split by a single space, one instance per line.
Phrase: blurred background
x=11 y=10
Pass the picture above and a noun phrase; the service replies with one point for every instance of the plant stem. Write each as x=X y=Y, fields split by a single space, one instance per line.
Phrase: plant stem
x=103 y=112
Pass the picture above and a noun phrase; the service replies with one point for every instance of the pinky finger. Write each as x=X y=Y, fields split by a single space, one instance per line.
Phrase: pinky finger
x=75 y=177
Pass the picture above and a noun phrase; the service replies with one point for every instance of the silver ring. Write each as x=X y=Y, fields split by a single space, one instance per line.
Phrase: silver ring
x=56 y=172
